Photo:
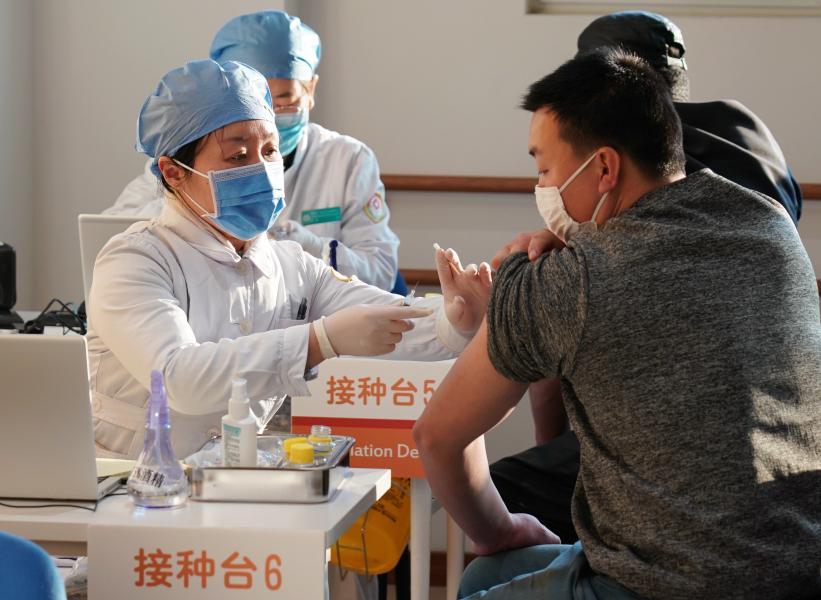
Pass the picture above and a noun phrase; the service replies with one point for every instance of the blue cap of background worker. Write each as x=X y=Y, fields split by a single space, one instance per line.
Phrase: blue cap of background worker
x=273 y=42
x=195 y=100
x=653 y=37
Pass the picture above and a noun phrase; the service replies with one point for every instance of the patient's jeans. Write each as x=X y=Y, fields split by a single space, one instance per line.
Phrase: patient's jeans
x=551 y=571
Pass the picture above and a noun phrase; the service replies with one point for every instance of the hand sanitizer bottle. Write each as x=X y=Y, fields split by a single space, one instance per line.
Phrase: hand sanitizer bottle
x=239 y=429
x=158 y=479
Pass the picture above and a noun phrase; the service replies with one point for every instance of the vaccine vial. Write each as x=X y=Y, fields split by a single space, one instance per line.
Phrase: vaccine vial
x=321 y=439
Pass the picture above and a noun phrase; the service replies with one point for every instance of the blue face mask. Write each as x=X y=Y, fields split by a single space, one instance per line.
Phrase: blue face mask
x=247 y=200
x=290 y=127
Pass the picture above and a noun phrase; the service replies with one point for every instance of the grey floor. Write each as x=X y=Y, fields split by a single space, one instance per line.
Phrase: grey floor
x=436 y=593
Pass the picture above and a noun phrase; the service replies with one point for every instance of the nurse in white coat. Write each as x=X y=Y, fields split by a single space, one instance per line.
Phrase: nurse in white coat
x=331 y=180
x=203 y=294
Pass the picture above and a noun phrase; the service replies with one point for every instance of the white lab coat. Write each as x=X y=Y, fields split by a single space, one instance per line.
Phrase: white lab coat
x=169 y=294
x=330 y=170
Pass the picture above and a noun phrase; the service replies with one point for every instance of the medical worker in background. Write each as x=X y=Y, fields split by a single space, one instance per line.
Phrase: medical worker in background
x=331 y=180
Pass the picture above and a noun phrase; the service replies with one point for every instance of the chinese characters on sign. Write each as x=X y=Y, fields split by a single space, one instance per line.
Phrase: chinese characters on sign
x=371 y=391
x=376 y=402
x=189 y=569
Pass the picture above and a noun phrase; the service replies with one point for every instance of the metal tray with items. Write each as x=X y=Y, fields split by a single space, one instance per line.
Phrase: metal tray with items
x=277 y=480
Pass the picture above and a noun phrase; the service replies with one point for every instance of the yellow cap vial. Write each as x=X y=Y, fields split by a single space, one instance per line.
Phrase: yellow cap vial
x=301 y=454
x=286 y=445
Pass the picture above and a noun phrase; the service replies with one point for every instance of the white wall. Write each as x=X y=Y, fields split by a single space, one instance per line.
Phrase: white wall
x=95 y=63
x=16 y=140
x=433 y=87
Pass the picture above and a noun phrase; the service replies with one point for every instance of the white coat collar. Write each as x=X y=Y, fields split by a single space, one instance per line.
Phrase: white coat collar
x=212 y=244
x=301 y=149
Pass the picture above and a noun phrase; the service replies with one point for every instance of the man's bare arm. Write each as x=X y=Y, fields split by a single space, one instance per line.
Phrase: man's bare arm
x=470 y=401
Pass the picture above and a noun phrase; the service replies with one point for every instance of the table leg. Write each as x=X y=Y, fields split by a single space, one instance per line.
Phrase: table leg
x=456 y=558
x=420 y=539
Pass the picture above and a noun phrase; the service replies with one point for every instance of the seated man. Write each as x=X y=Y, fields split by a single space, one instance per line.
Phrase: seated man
x=722 y=135
x=683 y=322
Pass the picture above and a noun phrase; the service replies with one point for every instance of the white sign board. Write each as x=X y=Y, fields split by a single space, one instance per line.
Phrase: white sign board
x=375 y=401
x=127 y=562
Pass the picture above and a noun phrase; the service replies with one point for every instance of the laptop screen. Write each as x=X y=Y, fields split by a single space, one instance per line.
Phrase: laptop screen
x=45 y=406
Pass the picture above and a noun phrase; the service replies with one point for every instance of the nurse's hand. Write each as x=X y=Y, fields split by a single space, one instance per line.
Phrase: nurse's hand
x=466 y=290
x=535 y=243
x=370 y=329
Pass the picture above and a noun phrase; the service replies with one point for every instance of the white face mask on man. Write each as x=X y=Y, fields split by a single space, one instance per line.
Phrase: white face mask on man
x=551 y=207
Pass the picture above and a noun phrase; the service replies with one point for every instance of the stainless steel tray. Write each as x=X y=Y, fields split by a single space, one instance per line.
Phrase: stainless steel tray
x=280 y=483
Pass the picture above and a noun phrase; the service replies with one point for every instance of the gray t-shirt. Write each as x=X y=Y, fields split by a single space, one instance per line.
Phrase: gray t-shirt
x=688 y=337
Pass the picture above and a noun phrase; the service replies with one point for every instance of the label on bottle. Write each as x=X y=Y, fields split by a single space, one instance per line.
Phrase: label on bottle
x=230 y=439
x=148 y=476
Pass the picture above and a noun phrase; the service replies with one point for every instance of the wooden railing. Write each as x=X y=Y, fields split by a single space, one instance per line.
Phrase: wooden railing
x=504 y=185
x=492 y=185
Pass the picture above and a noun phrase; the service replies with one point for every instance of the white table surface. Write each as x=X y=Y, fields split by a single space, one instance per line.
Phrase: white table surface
x=55 y=525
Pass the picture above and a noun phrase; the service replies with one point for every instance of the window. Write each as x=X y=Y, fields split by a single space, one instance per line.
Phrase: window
x=681 y=7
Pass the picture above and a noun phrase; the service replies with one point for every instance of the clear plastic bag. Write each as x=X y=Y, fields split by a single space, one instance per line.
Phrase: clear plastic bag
x=211 y=456
x=77 y=580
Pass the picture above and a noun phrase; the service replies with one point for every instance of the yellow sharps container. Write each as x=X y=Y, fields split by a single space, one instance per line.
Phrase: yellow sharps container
x=374 y=544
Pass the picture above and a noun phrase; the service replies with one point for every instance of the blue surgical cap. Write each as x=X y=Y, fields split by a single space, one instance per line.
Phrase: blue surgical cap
x=194 y=100
x=273 y=42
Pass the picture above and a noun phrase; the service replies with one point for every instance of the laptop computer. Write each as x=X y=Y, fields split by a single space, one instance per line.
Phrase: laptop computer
x=47 y=443
x=95 y=231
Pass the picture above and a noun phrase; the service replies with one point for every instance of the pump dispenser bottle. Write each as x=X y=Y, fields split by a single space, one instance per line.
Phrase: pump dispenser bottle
x=239 y=429
x=157 y=480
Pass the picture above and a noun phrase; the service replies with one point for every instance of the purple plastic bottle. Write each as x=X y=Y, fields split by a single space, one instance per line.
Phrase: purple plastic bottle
x=158 y=480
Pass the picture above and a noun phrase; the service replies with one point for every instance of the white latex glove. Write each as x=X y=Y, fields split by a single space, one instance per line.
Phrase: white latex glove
x=369 y=329
x=466 y=290
x=291 y=230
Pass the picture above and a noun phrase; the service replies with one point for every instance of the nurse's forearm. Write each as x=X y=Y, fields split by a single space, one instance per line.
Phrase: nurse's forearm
x=198 y=375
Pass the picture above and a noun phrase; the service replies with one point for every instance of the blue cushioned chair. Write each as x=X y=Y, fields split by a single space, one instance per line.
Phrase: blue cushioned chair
x=27 y=572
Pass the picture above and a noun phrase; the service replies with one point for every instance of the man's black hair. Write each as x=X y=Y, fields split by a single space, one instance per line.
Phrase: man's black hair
x=609 y=97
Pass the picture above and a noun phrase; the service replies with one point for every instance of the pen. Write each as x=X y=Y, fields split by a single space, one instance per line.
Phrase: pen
x=332 y=254
x=302 y=310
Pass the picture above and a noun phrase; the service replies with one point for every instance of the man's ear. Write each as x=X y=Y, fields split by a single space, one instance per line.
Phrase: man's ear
x=608 y=162
x=173 y=174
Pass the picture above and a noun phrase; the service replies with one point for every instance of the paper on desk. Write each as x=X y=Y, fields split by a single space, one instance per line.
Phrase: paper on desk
x=108 y=467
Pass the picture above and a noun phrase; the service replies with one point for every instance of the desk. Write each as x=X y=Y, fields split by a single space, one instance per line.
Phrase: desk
x=71 y=530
